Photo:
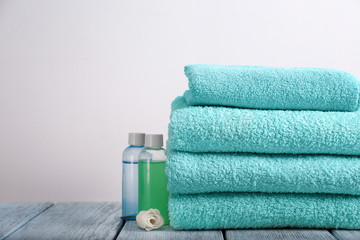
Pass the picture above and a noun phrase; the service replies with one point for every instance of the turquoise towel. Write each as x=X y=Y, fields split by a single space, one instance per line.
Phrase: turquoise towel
x=272 y=87
x=222 y=172
x=221 y=129
x=259 y=210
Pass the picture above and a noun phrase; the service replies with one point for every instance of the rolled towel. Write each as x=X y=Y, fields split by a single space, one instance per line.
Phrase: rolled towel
x=221 y=129
x=272 y=87
x=190 y=173
x=260 y=210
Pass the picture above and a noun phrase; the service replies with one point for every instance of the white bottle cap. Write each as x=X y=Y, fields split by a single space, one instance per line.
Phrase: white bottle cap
x=154 y=140
x=137 y=139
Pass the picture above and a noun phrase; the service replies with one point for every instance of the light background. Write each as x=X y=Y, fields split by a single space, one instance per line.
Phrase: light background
x=77 y=76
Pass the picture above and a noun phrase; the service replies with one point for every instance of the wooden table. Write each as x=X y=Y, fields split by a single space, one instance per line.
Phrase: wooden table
x=102 y=221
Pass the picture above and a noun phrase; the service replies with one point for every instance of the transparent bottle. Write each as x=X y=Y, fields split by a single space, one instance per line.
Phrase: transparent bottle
x=152 y=178
x=130 y=175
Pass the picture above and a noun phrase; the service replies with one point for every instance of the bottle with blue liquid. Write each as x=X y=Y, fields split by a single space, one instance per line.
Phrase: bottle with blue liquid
x=130 y=175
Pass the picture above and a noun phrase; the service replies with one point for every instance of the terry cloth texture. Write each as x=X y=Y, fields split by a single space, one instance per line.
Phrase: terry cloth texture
x=272 y=87
x=224 y=129
x=191 y=173
x=264 y=147
x=260 y=210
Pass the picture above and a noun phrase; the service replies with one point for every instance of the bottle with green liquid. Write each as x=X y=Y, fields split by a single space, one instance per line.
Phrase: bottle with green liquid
x=152 y=177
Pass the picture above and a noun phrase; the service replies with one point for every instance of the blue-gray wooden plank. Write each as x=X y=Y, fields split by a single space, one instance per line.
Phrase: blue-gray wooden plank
x=15 y=215
x=132 y=232
x=346 y=234
x=279 y=234
x=74 y=221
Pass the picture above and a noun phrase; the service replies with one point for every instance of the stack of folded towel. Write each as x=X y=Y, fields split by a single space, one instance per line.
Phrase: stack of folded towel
x=260 y=147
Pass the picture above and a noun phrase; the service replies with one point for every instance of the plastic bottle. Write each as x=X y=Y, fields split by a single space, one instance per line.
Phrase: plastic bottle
x=130 y=175
x=152 y=177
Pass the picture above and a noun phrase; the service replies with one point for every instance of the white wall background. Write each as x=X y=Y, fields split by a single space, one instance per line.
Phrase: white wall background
x=77 y=75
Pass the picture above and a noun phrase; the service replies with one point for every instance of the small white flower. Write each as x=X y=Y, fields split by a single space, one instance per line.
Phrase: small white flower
x=150 y=219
